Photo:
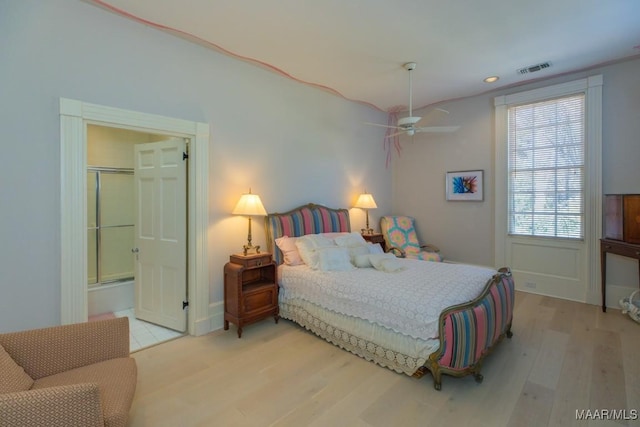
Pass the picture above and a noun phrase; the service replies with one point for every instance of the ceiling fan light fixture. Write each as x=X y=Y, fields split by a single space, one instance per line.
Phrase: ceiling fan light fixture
x=408 y=121
x=410 y=66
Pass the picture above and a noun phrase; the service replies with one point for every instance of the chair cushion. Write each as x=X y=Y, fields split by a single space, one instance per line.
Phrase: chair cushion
x=12 y=376
x=425 y=256
x=401 y=233
x=116 y=379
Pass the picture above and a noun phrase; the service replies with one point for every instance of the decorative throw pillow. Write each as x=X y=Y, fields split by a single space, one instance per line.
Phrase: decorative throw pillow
x=386 y=262
x=307 y=246
x=333 y=234
x=289 y=250
x=362 y=261
x=334 y=258
x=375 y=248
x=354 y=242
x=350 y=239
x=354 y=251
x=12 y=376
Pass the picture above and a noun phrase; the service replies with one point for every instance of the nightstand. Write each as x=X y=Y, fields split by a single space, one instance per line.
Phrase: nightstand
x=375 y=238
x=250 y=290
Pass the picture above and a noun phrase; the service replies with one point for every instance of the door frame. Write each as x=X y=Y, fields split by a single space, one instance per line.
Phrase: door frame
x=74 y=117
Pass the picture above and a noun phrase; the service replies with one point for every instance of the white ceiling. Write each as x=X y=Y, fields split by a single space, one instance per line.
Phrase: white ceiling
x=357 y=47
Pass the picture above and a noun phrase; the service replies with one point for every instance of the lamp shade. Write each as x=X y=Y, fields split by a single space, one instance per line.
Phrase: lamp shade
x=250 y=205
x=365 y=201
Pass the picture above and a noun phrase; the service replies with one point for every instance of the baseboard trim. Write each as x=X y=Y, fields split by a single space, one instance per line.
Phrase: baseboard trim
x=213 y=321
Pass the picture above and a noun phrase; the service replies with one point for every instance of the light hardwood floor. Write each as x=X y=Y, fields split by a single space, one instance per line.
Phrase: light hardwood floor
x=564 y=356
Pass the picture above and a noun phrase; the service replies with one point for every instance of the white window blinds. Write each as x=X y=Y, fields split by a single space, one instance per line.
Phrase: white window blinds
x=546 y=168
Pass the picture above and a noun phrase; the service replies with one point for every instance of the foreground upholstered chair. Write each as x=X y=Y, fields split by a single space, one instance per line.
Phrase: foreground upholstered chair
x=71 y=375
x=401 y=238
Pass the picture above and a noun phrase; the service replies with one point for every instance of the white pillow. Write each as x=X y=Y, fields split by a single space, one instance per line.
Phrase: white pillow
x=354 y=242
x=289 y=250
x=307 y=246
x=334 y=258
x=350 y=239
x=375 y=248
x=355 y=251
x=362 y=261
x=332 y=235
x=319 y=240
x=386 y=262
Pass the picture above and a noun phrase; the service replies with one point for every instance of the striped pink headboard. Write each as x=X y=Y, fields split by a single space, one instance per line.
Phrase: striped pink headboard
x=307 y=219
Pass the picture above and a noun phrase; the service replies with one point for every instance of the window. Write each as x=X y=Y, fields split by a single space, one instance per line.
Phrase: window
x=546 y=166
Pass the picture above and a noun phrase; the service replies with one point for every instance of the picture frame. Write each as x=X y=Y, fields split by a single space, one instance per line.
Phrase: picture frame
x=465 y=186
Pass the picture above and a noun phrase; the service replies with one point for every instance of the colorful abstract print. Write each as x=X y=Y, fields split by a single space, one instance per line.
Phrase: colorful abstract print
x=465 y=184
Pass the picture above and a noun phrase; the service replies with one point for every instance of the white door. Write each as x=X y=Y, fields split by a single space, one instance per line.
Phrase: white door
x=160 y=233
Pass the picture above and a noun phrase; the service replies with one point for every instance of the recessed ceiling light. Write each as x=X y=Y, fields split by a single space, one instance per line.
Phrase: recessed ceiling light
x=491 y=79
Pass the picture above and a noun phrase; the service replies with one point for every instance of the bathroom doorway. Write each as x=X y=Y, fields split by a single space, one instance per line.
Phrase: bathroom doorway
x=136 y=226
x=75 y=117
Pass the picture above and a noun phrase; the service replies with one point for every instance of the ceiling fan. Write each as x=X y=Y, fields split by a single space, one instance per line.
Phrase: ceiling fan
x=408 y=125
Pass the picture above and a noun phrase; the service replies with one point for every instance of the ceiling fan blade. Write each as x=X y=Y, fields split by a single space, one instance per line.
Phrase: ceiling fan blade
x=438 y=129
x=395 y=134
x=384 y=126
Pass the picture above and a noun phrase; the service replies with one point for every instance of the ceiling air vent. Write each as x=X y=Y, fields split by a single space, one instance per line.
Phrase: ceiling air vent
x=534 y=68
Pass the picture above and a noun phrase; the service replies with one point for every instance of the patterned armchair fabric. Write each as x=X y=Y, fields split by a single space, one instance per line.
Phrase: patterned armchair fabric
x=79 y=375
x=400 y=237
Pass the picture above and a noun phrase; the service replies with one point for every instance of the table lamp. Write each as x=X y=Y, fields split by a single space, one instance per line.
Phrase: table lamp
x=249 y=205
x=365 y=201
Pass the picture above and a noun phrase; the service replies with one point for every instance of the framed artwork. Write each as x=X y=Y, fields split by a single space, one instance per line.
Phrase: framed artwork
x=465 y=186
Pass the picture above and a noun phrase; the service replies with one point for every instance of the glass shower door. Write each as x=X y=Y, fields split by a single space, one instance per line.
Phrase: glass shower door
x=110 y=225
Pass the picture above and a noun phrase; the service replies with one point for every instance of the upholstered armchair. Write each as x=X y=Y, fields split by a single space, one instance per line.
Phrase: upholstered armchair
x=401 y=238
x=78 y=375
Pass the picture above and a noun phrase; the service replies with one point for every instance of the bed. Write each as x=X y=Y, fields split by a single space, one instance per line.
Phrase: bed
x=410 y=316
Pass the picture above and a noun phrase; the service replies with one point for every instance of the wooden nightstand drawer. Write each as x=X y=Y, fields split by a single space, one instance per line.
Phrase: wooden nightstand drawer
x=250 y=261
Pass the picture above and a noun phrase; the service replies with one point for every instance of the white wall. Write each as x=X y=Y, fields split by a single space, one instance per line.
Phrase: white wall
x=464 y=230
x=290 y=143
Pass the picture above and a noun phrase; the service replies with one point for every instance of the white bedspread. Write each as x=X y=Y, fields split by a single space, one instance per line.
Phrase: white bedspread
x=408 y=302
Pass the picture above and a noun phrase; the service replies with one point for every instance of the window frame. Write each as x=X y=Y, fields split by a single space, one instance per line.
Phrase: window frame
x=592 y=86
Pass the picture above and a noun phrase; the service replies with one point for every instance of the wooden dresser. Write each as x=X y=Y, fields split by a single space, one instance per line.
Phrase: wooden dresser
x=619 y=248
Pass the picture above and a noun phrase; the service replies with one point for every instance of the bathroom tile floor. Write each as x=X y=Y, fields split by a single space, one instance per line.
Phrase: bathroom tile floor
x=143 y=334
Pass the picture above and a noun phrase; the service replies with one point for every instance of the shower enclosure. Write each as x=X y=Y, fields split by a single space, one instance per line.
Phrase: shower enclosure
x=110 y=219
